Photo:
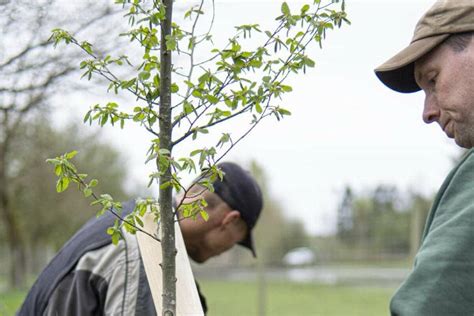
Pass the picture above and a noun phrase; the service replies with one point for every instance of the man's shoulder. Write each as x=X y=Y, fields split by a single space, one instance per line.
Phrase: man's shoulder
x=467 y=156
x=460 y=175
x=90 y=238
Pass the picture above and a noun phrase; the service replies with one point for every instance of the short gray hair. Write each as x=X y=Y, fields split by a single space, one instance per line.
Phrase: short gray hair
x=459 y=41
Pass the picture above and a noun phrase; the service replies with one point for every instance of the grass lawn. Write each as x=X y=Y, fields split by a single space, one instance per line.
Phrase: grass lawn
x=240 y=298
x=10 y=301
x=228 y=298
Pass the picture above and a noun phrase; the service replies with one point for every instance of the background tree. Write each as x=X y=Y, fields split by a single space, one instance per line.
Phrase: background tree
x=44 y=219
x=385 y=221
x=380 y=223
x=30 y=75
x=345 y=215
x=419 y=209
x=233 y=81
x=275 y=233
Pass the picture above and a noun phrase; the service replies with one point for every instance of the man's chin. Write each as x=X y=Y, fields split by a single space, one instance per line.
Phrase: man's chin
x=197 y=258
x=463 y=143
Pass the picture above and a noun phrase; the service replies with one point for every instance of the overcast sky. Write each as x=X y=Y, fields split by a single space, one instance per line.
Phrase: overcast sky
x=346 y=128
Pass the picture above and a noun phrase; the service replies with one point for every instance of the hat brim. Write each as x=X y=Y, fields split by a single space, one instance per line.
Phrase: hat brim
x=398 y=73
x=248 y=243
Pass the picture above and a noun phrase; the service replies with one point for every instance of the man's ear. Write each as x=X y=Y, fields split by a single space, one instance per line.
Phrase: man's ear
x=231 y=217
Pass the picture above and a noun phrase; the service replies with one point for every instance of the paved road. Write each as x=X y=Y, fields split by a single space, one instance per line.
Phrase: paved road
x=317 y=274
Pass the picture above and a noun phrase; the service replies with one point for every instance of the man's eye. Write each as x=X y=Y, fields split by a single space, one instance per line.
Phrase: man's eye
x=432 y=80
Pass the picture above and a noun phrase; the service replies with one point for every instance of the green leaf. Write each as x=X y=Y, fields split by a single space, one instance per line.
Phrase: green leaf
x=188 y=107
x=58 y=170
x=305 y=8
x=212 y=99
x=115 y=237
x=283 y=111
x=150 y=182
x=87 y=116
x=170 y=42
x=164 y=151
x=286 y=88
x=309 y=62
x=204 y=215
x=87 y=47
x=130 y=227
x=71 y=154
x=197 y=94
x=174 y=88
x=54 y=161
x=142 y=209
x=165 y=185
x=107 y=197
x=139 y=221
x=93 y=183
x=139 y=117
x=87 y=192
x=144 y=75
x=104 y=119
x=224 y=139
x=105 y=208
x=195 y=152
x=62 y=184
x=285 y=9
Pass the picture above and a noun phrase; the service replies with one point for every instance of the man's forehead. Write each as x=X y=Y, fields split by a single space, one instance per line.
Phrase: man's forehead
x=424 y=63
x=420 y=66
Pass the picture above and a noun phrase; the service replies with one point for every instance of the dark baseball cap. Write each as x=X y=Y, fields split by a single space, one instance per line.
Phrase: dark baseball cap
x=242 y=193
x=444 y=18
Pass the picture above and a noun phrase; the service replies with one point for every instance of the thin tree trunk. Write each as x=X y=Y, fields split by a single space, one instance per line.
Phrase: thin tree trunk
x=262 y=287
x=15 y=245
x=18 y=265
x=416 y=227
x=167 y=217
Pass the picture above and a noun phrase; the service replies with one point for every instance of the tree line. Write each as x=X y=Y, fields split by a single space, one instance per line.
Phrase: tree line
x=382 y=220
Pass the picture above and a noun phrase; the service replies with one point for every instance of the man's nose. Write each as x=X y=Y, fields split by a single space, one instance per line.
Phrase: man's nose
x=430 y=110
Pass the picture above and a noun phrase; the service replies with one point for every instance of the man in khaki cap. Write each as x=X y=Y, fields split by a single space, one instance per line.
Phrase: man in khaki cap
x=440 y=61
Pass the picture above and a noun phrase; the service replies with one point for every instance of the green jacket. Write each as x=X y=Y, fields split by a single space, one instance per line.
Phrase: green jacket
x=442 y=280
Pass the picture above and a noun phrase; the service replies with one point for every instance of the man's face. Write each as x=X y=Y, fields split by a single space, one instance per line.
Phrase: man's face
x=447 y=78
x=221 y=232
x=223 y=237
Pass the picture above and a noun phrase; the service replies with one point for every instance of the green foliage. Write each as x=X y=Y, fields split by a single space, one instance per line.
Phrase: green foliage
x=234 y=81
x=192 y=210
x=220 y=88
x=67 y=173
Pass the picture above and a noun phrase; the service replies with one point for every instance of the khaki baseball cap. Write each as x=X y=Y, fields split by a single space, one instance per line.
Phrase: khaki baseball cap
x=444 y=18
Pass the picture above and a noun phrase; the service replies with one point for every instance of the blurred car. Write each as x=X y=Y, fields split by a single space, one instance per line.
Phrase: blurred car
x=299 y=257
